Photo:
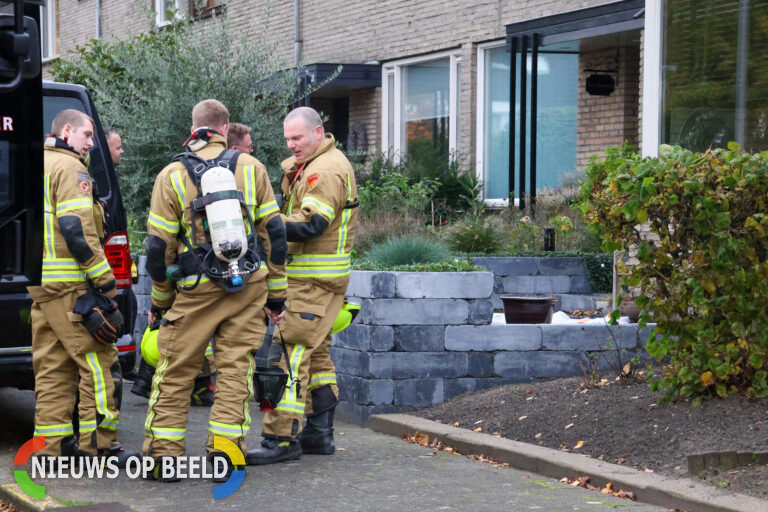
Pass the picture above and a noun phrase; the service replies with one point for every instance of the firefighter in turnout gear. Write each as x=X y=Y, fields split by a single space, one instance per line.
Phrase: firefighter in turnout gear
x=62 y=348
x=319 y=208
x=196 y=305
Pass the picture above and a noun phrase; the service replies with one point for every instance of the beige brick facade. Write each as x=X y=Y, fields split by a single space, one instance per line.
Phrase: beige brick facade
x=608 y=120
x=360 y=31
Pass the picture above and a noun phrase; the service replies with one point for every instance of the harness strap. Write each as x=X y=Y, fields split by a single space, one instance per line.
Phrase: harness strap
x=200 y=203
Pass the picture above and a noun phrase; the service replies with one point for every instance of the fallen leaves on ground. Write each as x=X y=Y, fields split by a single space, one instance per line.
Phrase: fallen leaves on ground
x=578 y=445
x=5 y=507
x=423 y=440
x=489 y=460
x=583 y=481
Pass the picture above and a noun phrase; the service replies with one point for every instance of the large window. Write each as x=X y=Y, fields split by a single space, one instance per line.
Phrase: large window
x=49 y=42
x=557 y=106
x=420 y=104
x=715 y=73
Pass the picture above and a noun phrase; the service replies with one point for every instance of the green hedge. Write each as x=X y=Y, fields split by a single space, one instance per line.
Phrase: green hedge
x=696 y=223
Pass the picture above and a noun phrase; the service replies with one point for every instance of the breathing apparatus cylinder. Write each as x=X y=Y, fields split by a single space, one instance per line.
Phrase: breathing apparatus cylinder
x=225 y=220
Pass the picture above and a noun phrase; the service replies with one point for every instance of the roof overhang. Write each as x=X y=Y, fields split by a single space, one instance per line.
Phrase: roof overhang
x=573 y=25
x=351 y=76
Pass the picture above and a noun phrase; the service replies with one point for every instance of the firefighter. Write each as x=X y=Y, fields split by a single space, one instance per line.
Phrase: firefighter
x=62 y=348
x=320 y=217
x=204 y=303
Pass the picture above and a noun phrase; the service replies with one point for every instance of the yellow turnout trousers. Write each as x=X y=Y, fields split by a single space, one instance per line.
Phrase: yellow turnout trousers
x=62 y=350
x=238 y=324
x=306 y=329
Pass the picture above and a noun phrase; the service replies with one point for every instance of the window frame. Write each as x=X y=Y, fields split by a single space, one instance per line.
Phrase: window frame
x=394 y=69
x=651 y=86
x=182 y=7
x=480 y=120
x=48 y=13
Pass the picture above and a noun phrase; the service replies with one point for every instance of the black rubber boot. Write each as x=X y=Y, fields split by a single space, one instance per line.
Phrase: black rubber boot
x=317 y=435
x=142 y=385
x=164 y=470
x=117 y=453
x=273 y=450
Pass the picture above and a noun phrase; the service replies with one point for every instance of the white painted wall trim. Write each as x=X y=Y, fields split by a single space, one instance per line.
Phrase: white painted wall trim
x=652 y=78
x=480 y=127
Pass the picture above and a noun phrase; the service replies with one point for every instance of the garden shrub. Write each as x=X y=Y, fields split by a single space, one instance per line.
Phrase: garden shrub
x=451 y=191
x=554 y=208
x=408 y=250
x=392 y=191
x=481 y=234
x=695 y=225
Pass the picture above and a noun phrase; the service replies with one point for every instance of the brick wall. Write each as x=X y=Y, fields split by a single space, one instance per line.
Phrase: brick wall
x=354 y=31
x=364 y=107
x=608 y=120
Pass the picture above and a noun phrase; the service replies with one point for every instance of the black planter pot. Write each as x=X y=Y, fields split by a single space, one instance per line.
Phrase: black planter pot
x=528 y=310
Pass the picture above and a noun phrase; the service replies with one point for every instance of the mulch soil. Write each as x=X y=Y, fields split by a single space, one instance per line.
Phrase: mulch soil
x=621 y=423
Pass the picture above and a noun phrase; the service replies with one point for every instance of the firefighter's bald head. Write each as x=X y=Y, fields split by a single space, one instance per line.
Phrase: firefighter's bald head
x=303 y=131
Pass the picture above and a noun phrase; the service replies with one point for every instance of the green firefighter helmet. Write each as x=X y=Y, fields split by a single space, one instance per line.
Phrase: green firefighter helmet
x=149 y=350
x=345 y=317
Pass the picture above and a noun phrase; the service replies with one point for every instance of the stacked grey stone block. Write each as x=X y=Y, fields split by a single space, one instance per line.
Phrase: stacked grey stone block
x=422 y=338
x=563 y=277
x=142 y=289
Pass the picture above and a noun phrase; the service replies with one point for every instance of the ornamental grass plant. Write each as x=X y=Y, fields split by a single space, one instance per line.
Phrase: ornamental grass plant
x=409 y=250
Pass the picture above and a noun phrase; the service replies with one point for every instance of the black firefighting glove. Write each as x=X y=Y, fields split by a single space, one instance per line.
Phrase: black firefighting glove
x=101 y=316
x=157 y=314
x=277 y=306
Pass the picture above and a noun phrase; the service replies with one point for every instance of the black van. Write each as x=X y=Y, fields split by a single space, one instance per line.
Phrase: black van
x=27 y=109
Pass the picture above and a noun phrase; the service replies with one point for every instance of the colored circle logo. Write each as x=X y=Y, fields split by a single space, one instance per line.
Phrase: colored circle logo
x=238 y=475
x=22 y=477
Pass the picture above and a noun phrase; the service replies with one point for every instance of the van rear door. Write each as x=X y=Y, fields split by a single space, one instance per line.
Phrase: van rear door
x=21 y=191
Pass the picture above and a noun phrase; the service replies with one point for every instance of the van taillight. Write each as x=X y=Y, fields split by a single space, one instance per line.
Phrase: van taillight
x=117 y=249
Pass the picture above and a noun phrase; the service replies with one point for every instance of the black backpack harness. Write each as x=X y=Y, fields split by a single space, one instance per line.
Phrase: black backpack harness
x=202 y=259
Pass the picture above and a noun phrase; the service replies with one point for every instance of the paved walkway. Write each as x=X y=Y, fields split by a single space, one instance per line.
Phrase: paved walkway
x=370 y=471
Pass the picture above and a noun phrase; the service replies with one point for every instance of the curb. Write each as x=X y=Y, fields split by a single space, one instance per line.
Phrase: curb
x=648 y=487
x=18 y=499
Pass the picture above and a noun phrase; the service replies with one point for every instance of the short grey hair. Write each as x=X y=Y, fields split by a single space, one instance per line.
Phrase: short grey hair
x=307 y=114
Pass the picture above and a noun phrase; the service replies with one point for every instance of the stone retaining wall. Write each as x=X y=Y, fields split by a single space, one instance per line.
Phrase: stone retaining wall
x=422 y=338
x=564 y=277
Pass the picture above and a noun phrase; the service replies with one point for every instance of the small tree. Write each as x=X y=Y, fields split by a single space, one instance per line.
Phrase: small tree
x=145 y=88
x=696 y=224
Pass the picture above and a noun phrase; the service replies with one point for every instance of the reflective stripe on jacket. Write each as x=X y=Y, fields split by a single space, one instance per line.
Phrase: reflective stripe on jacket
x=68 y=201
